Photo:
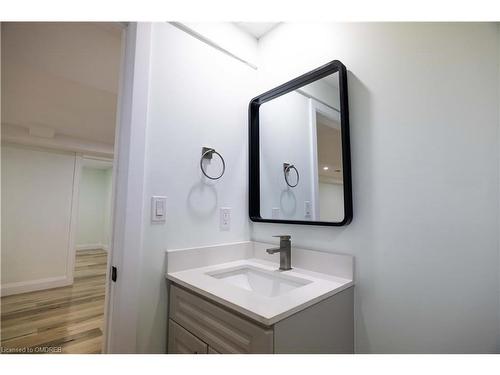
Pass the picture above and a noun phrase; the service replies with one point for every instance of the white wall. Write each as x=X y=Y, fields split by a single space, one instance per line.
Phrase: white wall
x=285 y=137
x=37 y=191
x=94 y=208
x=424 y=122
x=198 y=97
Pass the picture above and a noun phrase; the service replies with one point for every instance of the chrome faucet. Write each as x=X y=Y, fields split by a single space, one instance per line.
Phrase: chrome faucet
x=285 y=251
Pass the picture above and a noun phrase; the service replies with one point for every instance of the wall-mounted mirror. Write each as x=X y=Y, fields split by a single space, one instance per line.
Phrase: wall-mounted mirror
x=300 y=168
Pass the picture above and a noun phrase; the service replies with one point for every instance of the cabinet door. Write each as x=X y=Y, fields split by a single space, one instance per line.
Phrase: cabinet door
x=181 y=341
x=221 y=329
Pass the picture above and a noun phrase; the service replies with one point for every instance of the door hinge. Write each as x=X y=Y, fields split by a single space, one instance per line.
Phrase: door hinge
x=113 y=273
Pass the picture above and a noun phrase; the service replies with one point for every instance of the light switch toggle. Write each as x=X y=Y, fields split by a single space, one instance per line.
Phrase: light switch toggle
x=158 y=209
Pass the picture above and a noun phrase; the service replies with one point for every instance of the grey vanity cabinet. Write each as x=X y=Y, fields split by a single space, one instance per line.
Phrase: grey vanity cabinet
x=181 y=341
x=221 y=329
x=197 y=325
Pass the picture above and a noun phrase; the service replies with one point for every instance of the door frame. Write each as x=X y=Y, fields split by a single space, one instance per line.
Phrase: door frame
x=122 y=295
x=73 y=223
x=315 y=107
x=75 y=208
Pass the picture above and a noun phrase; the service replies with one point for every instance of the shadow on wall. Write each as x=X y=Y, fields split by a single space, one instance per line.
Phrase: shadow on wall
x=361 y=129
x=158 y=314
x=288 y=202
x=202 y=199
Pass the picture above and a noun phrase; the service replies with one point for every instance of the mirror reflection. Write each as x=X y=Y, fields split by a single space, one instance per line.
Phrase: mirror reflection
x=301 y=176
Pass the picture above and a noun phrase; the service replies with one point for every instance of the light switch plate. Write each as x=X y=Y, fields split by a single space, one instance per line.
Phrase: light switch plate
x=158 y=209
x=225 y=218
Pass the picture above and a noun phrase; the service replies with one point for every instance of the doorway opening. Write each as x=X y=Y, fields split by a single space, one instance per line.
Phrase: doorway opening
x=60 y=90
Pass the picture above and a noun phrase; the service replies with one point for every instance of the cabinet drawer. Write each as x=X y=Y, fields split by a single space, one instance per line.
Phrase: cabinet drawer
x=180 y=341
x=221 y=329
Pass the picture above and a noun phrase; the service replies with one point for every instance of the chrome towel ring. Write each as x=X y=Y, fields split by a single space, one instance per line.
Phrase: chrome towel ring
x=286 y=169
x=207 y=153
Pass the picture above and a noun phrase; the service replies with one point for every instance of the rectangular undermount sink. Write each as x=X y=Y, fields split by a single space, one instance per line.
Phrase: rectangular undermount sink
x=259 y=281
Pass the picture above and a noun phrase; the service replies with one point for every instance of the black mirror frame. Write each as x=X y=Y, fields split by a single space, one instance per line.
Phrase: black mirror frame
x=253 y=149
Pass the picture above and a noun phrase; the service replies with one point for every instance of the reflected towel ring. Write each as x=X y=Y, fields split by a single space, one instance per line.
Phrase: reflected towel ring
x=287 y=168
x=206 y=153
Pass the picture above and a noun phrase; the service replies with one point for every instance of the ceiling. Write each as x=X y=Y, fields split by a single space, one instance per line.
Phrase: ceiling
x=62 y=76
x=257 y=29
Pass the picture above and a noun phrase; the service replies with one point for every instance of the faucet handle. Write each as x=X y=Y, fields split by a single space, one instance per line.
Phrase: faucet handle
x=285 y=237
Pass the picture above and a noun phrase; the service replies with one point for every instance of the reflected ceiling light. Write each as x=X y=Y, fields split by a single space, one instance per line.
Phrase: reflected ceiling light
x=325 y=168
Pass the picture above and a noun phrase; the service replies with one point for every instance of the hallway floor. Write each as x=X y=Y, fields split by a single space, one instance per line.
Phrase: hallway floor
x=67 y=319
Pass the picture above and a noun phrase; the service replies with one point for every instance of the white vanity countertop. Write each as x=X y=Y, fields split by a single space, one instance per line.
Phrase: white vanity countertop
x=264 y=309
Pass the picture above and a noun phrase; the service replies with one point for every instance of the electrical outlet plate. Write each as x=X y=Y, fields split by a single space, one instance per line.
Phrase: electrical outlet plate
x=307 y=209
x=225 y=218
x=275 y=213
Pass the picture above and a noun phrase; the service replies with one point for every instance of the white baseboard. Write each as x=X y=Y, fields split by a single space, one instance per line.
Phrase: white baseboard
x=91 y=246
x=34 y=285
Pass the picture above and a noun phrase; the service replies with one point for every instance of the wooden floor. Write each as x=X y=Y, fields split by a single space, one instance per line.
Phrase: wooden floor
x=64 y=320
